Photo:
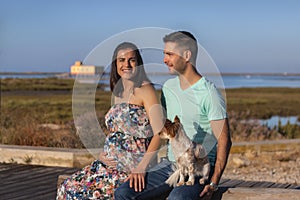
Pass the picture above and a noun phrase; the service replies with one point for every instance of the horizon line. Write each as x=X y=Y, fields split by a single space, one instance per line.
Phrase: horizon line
x=161 y=73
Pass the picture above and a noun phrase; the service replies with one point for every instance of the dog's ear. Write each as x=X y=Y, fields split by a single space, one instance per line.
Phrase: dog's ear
x=176 y=127
x=168 y=123
x=176 y=124
x=176 y=119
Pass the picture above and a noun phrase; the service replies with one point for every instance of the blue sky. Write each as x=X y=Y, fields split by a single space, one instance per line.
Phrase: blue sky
x=240 y=36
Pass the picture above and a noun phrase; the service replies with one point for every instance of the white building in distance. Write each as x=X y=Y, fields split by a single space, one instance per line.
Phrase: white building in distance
x=79 y=69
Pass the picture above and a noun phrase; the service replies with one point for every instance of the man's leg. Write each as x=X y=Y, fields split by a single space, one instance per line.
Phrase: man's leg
x=186 y=192
x=155 y=187
x=189 y=192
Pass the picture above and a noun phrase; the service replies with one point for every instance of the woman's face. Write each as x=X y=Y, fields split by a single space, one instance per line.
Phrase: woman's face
x=126 y=63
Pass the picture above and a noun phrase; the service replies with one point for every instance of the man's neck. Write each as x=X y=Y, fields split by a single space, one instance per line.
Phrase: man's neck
x=189 y=78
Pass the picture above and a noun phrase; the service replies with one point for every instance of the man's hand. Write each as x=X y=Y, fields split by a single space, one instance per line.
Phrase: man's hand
x=207 y=192
x=137 y=179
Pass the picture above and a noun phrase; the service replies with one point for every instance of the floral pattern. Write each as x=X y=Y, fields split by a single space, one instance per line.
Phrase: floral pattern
x=126 y=144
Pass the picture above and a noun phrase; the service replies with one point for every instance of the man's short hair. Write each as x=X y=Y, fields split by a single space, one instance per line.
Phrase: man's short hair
x=185 y=40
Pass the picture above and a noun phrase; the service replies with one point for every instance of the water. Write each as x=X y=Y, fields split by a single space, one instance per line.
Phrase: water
x=20 y=75
x=244 y=81
x=253 y=81
x=227 y=81
x=274 y=120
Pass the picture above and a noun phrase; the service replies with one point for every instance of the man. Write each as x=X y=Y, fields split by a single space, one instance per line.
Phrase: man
x=201 y=110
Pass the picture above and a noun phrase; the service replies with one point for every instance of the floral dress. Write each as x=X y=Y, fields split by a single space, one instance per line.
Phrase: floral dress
x=127 y=145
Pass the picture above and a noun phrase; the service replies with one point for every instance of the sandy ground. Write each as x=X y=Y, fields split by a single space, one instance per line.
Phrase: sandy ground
x=277 y=167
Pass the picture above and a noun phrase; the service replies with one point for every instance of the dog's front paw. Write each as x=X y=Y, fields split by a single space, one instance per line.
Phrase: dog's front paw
x=189 y=183
x=180 y=184
x=202 y=181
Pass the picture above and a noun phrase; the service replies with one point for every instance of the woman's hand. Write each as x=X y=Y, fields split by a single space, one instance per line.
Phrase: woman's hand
x=108 y=161
x=137 y=179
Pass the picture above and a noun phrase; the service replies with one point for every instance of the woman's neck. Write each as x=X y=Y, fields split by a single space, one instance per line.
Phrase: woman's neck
x=128 y=88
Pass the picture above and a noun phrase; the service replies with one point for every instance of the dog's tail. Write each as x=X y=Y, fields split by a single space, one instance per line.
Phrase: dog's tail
x=173 y=179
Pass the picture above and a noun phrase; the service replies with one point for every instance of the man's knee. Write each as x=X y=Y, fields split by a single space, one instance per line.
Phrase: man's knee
x=174 y=195
x=123 y=193
x=182 y=195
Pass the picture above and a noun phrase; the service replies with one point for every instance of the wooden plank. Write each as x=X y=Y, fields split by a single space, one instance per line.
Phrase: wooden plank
x=33 y=192
x=223 y=181
x=14 y=169
x=248 y=184
x=28 y=186
x=4 y=167
x=260 y=193
x=36 y=177
x=35 y=174
x=281 y=185
x=28 y=174
x=263 y=184
x=232 y=183
x=40 y=182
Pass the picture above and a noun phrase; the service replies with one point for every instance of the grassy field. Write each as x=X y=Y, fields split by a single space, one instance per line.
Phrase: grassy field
x=26 y=104
x=264 y=102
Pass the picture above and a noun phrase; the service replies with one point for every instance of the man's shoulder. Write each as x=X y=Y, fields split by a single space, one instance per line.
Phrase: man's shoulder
x=171 y=80
x=206 y=84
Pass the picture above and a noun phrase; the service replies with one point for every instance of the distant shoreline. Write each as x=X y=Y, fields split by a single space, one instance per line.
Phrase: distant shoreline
x=162 y=73
x=30 y=73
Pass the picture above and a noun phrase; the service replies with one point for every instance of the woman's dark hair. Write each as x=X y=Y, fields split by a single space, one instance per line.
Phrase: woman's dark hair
x=140 y=76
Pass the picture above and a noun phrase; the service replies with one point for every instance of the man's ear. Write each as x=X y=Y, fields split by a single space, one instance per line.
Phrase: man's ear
x=187 y=54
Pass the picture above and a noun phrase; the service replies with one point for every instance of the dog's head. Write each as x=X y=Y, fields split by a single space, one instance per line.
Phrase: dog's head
x=170 y=129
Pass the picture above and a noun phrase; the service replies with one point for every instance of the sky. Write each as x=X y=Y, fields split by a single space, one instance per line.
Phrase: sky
x=240 y=36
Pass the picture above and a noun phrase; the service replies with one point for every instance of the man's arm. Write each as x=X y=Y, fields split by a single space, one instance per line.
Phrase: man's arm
x=224 y=145
x=221 y=131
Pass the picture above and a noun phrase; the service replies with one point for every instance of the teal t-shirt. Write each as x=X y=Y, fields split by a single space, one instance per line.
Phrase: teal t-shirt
x=195 y=106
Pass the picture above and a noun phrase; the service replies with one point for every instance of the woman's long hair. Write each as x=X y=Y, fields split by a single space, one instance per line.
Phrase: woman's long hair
x=140 y=76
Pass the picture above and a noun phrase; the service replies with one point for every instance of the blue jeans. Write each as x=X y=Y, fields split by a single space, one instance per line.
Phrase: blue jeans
x=157 y=189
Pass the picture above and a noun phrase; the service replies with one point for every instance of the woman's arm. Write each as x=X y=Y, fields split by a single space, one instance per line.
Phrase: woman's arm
x=155 y=114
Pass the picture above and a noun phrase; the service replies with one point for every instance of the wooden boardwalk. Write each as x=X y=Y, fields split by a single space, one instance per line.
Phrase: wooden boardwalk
x=20 y=182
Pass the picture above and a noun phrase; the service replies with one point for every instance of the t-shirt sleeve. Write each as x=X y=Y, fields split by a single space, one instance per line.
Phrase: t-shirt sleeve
x=215 y=105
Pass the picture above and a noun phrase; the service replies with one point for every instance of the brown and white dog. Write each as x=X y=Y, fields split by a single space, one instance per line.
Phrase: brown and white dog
x=190 y=157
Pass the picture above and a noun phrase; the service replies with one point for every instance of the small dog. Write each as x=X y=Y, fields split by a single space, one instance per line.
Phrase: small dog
x=190 y=157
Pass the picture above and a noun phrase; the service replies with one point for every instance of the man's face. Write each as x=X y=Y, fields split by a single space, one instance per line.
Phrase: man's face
x=173 y=58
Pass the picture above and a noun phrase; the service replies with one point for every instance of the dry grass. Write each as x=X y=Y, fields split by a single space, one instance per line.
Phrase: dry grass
x=264 y=102
x=27 y=104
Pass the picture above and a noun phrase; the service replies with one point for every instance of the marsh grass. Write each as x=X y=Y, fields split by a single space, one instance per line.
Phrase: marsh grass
x=264 y=102
x=26 y=104
x=12 y=84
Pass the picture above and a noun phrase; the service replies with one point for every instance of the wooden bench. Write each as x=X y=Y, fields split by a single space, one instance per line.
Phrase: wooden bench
x=230 y=190
x=260 y=193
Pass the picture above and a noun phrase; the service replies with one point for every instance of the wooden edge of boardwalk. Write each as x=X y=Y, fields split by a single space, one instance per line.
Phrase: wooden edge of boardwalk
x=40 y=182
x=241 y=190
